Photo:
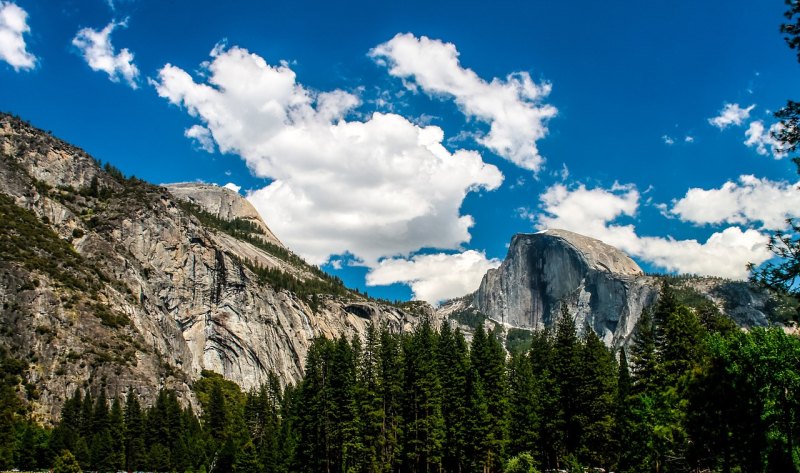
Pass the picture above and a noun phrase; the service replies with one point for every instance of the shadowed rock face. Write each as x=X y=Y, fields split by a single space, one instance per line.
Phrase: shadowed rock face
x=601 y=286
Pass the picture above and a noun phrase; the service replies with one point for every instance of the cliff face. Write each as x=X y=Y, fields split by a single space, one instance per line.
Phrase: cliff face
x=601 y=286
x=151 y=296
x=223 y=203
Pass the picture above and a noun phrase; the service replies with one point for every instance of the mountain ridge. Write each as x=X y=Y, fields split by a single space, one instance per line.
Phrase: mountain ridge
x=174 y=296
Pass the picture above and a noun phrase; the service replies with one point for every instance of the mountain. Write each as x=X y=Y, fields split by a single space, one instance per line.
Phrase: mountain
x=600 y=285
x=108 y=282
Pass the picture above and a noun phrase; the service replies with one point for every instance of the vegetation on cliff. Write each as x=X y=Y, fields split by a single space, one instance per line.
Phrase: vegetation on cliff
x=689 y=395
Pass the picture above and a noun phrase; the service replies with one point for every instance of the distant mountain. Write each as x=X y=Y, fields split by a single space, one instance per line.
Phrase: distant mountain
x=600 y=286
x=108 y=282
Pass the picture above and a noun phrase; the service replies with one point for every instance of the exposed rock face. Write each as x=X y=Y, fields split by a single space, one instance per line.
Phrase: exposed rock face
x=602 y=286
x=223 y=203
x=180 y=296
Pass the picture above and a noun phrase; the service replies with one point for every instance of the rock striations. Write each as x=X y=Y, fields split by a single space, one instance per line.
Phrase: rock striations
x=150 y=294
x=601 y=287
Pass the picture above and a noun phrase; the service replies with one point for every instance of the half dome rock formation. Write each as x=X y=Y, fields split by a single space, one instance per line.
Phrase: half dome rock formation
x=601 y=286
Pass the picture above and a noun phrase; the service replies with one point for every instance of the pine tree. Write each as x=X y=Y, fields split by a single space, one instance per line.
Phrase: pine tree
x=566 y=366
x=550 y=444
x=453 y=365
x=596 y=402
x=391 y=377
x=523 y=400
x=135 y=451
x=370 y=402
x=116 y=426
x=644 y=361
x=487 y=357
x=478 y=426
x=424 y=426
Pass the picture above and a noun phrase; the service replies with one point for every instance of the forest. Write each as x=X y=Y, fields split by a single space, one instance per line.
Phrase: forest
x=692 y=393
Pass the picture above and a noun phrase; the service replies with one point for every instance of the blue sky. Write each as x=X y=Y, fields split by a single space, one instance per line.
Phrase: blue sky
x=401 y=146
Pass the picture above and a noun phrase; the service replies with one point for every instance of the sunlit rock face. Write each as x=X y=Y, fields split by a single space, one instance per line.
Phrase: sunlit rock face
x=601 y=286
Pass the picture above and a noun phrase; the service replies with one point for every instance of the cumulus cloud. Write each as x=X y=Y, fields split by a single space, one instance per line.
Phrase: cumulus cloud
x=593 y=212
x=512 y=106
x=201 y=136
x=99 y=53
x=232 y=187
x=744 y=202
x=13 y=25
x=377 y=187
x=435 y=277
x=761 y=138
x=731 y=114
x=668 y=140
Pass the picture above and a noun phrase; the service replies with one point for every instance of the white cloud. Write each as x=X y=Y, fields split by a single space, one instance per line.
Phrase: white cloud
x=435 y=277
x=688 y=139
x=232 y=187
x=13 y=25
x=99 y=53
x=202 y=137
x=731 y=114
x=748 y=201
x=592 y=212
x=761 y=139
x=668 y=140
x=377 y=188
x=512 y=106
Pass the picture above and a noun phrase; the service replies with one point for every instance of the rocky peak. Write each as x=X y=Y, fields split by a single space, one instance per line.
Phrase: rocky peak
x=223 y=203
x=597 y=255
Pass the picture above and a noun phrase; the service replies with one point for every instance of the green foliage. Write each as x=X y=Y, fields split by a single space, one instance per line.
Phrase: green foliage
x=66 y=463
x=26 y=240
x=471 y=317
x=522 y=463
x=696 y=400
x=519 y=340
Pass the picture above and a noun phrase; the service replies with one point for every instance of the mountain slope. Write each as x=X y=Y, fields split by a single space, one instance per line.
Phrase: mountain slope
x=127 y=286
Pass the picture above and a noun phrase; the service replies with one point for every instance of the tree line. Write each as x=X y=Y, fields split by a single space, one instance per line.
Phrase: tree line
x=691 y=393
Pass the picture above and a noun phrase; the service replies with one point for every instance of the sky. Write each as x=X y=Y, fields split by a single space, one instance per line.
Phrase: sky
x=400 y=146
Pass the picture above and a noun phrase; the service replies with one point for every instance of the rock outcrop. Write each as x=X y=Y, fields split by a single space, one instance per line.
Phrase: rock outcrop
x=599 y=284
x=152 y=296
x=601 y=287
x=223 y=203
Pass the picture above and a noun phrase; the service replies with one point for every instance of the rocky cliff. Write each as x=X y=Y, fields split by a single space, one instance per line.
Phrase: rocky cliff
x=110 y=283
x=222 y=203
x=602 y=288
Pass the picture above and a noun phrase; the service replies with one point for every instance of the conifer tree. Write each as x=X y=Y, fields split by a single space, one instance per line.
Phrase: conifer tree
x=596 y=402
x=391 y=380
x=424 y=426
x=488 y=358
x=524 y=396
x=566 y=367
x=453 y=366
x=134 y=433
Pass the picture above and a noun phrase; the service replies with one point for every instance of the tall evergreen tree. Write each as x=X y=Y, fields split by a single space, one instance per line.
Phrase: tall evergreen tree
x=596 y=402
x=566 y=368
x=134 y=433
x=453 y=367
x=424 y=426
x=488 y=358
x=523 y=397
